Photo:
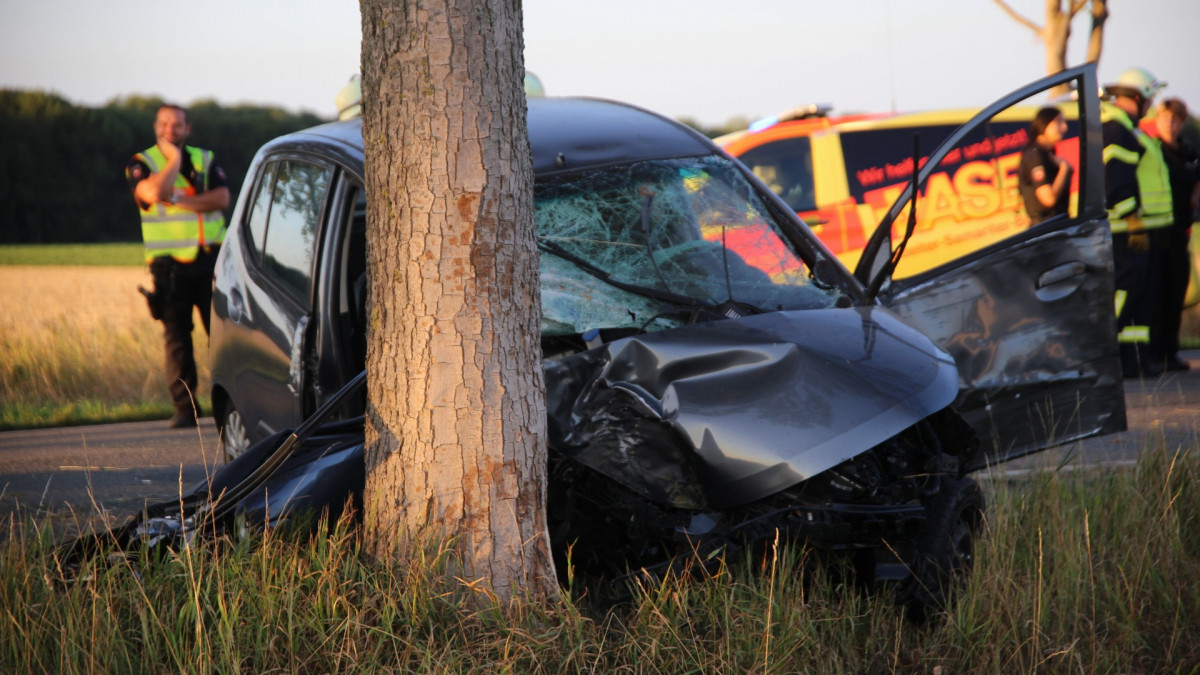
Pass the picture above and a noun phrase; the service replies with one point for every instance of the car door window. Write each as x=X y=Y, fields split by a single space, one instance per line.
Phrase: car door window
x=970 y=199
x=256 y=222
x=786 y=167
x=297 y=201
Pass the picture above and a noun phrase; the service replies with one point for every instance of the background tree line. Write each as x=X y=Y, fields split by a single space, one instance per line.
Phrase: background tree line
x=62 y=166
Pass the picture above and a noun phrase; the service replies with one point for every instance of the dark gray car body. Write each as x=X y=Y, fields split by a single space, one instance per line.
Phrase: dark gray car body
x=736 y=408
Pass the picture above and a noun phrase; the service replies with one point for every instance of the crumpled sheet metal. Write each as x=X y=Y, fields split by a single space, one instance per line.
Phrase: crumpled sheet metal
x=317 y=479
x=757 y=404
x=1030 y=371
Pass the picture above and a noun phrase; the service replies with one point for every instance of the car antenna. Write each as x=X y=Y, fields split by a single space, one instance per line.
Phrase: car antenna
x=894 y=261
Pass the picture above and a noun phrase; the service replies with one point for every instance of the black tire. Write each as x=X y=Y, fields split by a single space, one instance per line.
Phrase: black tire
x=945 y=553
x=232 y=438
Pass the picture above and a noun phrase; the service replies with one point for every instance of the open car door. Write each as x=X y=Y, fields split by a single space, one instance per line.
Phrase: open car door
x=1025 y=310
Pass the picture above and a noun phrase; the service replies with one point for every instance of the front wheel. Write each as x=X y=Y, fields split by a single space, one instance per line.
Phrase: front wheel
x=232 y=439
x=945 y=552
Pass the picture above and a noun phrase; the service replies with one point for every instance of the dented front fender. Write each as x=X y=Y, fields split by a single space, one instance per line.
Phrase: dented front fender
x=723 y=413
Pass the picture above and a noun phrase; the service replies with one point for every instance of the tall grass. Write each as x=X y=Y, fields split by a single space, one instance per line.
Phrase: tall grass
x=1076 y=573
x=108 y=255
x=77 y=345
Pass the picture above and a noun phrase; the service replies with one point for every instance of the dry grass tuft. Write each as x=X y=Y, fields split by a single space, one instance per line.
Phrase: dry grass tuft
x=73 y=333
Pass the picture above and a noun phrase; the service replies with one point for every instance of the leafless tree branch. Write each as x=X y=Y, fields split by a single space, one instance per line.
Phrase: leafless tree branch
x=1096 y=37
x=1016 y=16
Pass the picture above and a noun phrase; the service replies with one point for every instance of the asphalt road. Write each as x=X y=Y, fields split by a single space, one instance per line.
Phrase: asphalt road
x=103 y=474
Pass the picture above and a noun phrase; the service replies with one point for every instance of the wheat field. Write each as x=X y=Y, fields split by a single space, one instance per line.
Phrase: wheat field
x=71 y=334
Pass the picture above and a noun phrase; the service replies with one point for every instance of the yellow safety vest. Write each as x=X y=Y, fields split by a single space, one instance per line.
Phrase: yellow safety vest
x=175 y=231
x=1153 y=181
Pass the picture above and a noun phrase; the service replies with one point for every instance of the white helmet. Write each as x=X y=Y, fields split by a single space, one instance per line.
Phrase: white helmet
x=349 y=99
x=1137 y=81
x=533 y=86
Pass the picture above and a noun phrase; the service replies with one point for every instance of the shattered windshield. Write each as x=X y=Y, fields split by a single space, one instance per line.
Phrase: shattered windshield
x=639 y=245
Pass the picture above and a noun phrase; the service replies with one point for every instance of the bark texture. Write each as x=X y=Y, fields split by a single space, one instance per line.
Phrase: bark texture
x=456 y=414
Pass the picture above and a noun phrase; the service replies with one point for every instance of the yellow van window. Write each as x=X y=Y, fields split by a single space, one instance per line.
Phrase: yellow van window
x=786 y=167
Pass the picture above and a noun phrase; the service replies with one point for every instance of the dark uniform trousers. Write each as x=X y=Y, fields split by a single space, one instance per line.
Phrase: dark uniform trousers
x=182 y=287
x=1176 y=269
x=1135 y=277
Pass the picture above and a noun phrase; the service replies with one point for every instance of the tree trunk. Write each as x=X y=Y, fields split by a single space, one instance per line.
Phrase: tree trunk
x=1096 y=37
x=1056 y=33
x=455 y=433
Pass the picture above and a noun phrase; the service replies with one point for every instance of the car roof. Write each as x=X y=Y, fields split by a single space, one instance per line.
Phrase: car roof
x=572 y=133
x=565 y=134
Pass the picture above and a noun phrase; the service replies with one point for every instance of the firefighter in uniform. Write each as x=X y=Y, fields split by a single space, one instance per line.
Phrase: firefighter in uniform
x=180 y=193
x=1138 y=194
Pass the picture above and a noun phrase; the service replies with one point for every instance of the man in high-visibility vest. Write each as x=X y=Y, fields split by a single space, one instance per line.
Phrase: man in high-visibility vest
x=181 y=193
x=1138 y=194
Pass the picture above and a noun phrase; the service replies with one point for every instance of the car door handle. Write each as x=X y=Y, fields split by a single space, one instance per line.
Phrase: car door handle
x=1057 y=275
x=1058 y=282
x=296 y=365
x=236 y=306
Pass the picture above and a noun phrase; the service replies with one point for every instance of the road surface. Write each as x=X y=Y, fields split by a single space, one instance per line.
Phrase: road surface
x=101 y=473
x=104 y=474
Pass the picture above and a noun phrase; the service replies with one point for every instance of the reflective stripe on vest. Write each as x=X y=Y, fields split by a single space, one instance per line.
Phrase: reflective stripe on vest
x=1153 y=181
x=1134 y=335
x=173 y=230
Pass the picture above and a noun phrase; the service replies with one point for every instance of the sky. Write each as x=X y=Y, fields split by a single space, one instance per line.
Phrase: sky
x=709 y=60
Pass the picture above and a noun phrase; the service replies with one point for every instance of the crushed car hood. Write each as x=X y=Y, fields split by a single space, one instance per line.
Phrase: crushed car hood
x=726 y=412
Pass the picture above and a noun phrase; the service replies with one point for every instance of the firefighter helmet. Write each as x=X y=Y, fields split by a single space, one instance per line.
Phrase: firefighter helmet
x=1136 y=81
x=349 y=99
x=533 y=85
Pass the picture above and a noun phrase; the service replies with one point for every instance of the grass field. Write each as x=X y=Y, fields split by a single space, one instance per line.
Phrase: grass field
x=78 y=346
x=124 y=255
x=1076 y=573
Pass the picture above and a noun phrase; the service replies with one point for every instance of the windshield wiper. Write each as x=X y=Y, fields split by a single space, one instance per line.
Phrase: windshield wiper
x=894 y=261
x=682 y=301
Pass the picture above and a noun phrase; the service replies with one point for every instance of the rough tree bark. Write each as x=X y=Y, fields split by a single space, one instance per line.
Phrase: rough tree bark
x=1096 y=35
x=456 y=446
x=1056 y=32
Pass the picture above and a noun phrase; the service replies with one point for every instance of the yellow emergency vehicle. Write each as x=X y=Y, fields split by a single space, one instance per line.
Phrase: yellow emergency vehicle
x=841 y=174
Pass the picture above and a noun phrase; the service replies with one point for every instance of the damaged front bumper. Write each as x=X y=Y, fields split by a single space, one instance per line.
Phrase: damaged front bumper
x=729 y=412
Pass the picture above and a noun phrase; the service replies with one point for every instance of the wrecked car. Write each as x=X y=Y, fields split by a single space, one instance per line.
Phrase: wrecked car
x=714 y=376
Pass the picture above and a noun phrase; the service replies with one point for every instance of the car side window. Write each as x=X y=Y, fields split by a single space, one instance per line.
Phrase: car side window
x=256 y=223
x=786 y=167
x=297 y=201
x=970 y=201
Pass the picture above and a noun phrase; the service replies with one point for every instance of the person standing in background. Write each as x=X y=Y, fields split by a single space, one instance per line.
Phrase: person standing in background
x=1138 y=197
x=1183 y=168
x=1044 y=177
x=180 y=193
